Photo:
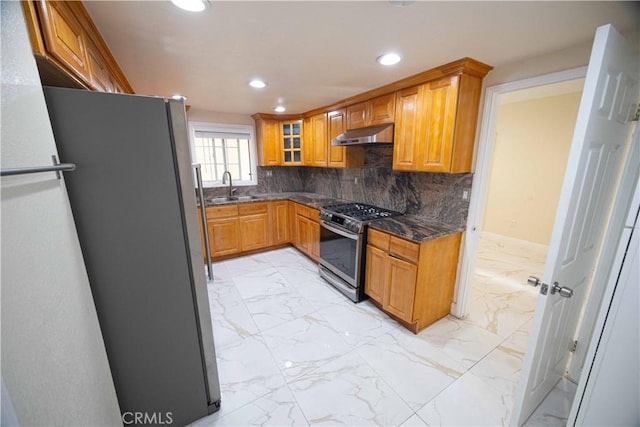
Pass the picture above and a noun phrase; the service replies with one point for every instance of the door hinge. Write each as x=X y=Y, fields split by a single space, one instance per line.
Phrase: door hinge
x=573 y=345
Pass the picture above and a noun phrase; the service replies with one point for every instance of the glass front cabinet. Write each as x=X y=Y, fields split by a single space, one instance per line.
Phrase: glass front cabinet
x=291 y=142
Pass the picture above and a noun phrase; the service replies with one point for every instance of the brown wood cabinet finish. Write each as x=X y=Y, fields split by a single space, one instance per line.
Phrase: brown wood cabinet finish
x=376 y=111
x=69 y=50
x=268 y=142
x=435 y=125
x=315 y=141
x=279 y=219
x=341 y=157
x=412 y=282
x=306 y=230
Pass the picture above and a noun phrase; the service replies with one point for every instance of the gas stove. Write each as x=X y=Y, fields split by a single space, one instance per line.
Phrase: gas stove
x=353 y=216
x=343 y=245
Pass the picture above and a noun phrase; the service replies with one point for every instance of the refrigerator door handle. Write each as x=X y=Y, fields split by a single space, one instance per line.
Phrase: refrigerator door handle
x=203 y=218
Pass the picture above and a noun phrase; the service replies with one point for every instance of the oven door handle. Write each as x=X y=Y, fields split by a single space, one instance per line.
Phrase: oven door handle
x=347 y=234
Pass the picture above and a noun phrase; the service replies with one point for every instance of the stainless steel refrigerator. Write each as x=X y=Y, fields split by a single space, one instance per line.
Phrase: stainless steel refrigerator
x=133 y=201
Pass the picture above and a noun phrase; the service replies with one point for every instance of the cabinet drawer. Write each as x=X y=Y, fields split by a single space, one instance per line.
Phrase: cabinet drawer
x=404 y=249
x=215 y=212
x=253 y=208
x=378 y=239
x=307 y=212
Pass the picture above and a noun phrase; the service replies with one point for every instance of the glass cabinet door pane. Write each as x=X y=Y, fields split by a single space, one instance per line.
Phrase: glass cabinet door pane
x=287 y=143
x=286 y=129
x=287 y=156
x=296 y=128
x=296 y=142
x=296 y=156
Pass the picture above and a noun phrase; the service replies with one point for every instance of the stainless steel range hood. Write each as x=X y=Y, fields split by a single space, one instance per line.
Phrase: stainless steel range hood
x=382 y=134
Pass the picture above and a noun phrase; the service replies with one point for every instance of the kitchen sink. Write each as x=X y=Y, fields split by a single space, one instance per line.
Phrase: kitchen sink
x=223 y=199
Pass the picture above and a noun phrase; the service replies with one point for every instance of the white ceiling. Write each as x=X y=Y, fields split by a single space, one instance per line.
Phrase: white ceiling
x=313 y=53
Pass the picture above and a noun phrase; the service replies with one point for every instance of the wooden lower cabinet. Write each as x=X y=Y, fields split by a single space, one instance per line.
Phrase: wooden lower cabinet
x=306 y=228
x=246 y=227
x=412 y=282
x=224 y=236
x=279 y=219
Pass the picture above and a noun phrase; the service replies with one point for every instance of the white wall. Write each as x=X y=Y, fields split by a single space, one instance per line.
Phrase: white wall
x=196 y=115
x=54 y=363
x=529 y=159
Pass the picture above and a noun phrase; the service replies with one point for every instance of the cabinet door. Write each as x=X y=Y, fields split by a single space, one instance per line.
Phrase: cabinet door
x=400 y=290
x=408 y=127
x=303 y=234
x=381 y=110
x=319 y=140
x=376 y=274
x=268 y=140
x=439 y=115
x=64 y=37
x=314 y=240
x=224 y=236
x=254 y=232
x=336 y=124
x=356 y=115
x=291 y=139
x=101 y=79
x=280 y=222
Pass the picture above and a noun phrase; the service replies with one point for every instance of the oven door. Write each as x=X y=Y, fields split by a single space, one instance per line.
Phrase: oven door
x=341 y=252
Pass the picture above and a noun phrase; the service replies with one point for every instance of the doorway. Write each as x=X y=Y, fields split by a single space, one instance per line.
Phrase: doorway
x=533 y=134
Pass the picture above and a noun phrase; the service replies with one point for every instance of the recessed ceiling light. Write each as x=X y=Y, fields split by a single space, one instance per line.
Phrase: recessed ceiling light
x=190 y=5
x=388 y=59
x=257 y=83
x=279 y=109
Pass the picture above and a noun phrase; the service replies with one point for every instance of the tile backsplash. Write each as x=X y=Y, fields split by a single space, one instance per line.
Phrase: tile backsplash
x=435 y=197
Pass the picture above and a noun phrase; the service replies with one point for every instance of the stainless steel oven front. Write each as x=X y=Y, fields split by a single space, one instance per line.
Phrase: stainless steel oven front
x=341 y=259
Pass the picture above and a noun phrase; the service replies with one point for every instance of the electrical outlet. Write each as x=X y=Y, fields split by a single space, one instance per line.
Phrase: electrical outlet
x=355 y=180
x=465 y=194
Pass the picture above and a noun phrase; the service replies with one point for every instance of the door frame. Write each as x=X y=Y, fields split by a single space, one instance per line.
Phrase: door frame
x=484 y=157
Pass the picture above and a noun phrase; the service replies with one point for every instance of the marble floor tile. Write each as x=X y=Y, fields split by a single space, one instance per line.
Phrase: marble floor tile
x=304 y=344
x=276 y=308
x=357 y=323
x=497 y=315
x=348 y=392
x=231 y=320
x=415 y=369
x=294 y=351
x=414 y=421
x=318 y=292
x=241 y=265
x=469 y=401
x=463 y=342
x=555 y=408
x=260 y=283
x=278 y=408
x=247 y=371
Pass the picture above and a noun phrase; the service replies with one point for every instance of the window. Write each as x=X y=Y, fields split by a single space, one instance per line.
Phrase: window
x=219 y=148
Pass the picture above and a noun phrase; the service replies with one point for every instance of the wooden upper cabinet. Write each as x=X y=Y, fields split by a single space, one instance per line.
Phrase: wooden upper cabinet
x=64 y=37
x=376 y=111
x=268 y=142
x=291 y=142
x=341 y=157
x=98 y=70
x=69 y=50
x=435 y=125
x=316 y=149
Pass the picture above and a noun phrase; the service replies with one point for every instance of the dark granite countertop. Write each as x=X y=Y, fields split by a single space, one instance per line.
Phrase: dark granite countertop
x=410 y=227
x=413 y=227
x=313 y=200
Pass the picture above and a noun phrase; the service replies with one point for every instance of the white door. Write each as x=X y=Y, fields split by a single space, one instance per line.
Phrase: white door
x=601 y=132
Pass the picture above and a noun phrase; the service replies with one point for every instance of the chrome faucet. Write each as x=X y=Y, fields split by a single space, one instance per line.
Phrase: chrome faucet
x=224 y=175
